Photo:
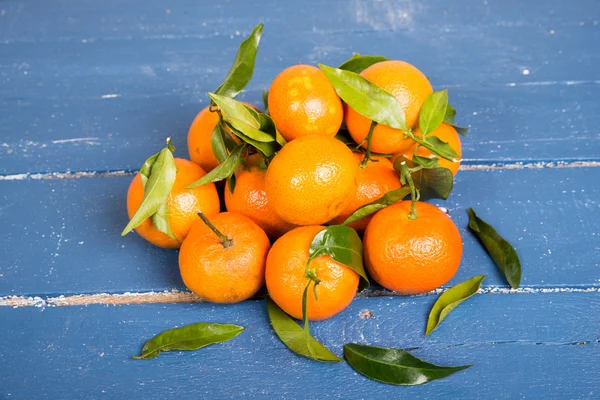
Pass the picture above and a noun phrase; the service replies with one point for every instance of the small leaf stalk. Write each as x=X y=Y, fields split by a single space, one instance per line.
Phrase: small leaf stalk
x=226 y=242
x=367 y=158
x=415 y=194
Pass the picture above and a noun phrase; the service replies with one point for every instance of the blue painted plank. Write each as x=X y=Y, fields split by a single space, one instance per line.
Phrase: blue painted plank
x=62 y=236
x=521 y=123
x=521 y=346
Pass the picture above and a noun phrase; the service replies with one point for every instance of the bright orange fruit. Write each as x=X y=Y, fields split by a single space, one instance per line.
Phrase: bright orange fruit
x=412 y=256
x=311 y=180
x=303 y=102
x=409 y=86
x=183 y=204
x=285 y=278
x=221 y=271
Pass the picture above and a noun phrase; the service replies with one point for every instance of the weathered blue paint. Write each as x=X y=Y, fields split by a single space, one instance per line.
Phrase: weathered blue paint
x=519 y=345
x=96 y=86
x=71 y=243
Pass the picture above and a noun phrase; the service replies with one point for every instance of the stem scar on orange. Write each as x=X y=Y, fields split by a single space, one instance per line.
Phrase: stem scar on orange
x=311 y=180
x=223 y=259
x=286 y=280
x=249 y=197
x=412 y=256
x=445 y=133
x=303 y=102
x=409 y=86
x=374 y=180
x=183 y=204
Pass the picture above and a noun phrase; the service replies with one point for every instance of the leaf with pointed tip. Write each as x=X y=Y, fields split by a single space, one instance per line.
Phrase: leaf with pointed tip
x=189 y=337
x=343 y=244
x=223 y=170
x=442 y=147
x=160 y=220
x=265 y=99
x=250 y=131
x=294 y=337
x=217 y=143
x=427 y=162
x=503 y=253
x=387 y=199
x=450 y=299
x=366 y=98
x=358 y=63
x=267 y=148
x=432 y=182
x=394 y=366
x=433 y=112
x=449 y=119
x=243 y=66
x=231 y=108
x=159 y=185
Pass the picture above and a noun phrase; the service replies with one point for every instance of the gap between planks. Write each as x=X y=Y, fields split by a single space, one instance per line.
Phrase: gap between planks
x=494 y=166
x=177 y=296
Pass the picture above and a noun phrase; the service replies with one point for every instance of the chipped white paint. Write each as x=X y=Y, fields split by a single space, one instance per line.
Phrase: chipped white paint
x=110 y=96
x=532 y=165
x=85 y=139
x=65 y=175
x=550 y=83
x=177 y=296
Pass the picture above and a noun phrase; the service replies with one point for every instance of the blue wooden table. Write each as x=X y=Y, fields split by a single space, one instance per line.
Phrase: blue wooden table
x=90 y=88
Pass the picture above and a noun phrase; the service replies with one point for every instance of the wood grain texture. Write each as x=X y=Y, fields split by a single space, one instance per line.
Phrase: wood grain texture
x=62 y=236
x=94 y=86
x=521 y=346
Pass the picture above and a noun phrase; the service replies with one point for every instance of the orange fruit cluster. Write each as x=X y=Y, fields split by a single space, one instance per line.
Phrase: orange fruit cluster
x=279 y=204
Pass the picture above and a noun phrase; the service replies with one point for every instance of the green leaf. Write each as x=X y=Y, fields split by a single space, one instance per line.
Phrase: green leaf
x=267 y=125
x=231 y=108
x=433 y=112
x=394 y=366
x=344 y=137
x=343 y=244
x=250 y=131
x=160 y=220
x=223 y=170
x=387 y=199
x=426 y=162
x=358 y=63
x=157 y=188
x=366 y=98
x=189 y=337
x=442 y=147
x=449 y=119
x=147 y=166
x=432 y=182
x=450 y=114
x=293 y=336
x=504 y=255
x=217 y=143
x=243 y=66
x=450 y=299
x=267 y=148
x=265 y=99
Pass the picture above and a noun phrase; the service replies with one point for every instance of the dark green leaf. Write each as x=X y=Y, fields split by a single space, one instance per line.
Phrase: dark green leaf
x=394 y=366
x=267 y=125
x=442 y=147
x=450 y=114
x=189 y=337
x=366 y=98
x=231 y=182
x=243 y=66
x=432 y=182
x=358 y=63
x=157 y=188
x=386 y=200
x=147 y=168
x=461 y=131
x=160 y=220
x=426 y=162
x=231 y=108
x=433 y=112
x=343 y=244
x=217 y=143
x=293 y=336
x=450 y=299
x=223 y=170
x=503 y=254
x=265 y=99
x=344 y=137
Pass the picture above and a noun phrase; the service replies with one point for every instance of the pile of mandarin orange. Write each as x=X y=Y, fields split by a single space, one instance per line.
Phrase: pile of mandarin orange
x=279 y=205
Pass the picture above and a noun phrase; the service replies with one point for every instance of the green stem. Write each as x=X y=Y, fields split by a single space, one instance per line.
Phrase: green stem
x=427 y=145
x=367 y=158
x=225 y=241
x=414 y=192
